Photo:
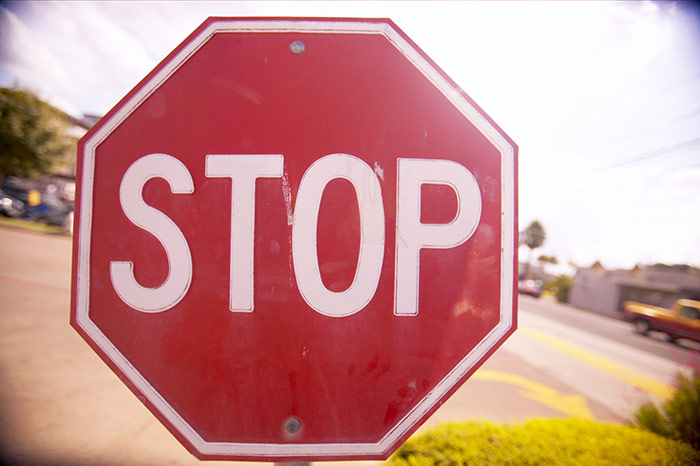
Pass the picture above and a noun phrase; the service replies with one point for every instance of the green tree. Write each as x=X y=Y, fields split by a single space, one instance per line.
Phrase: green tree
x=533 y=237
x=544 y=261
x=679 y=417
x=33 y=136
x=547 y=260
x=560 y=287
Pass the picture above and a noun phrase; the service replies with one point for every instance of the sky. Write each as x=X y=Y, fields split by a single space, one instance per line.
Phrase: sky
x=602 y=98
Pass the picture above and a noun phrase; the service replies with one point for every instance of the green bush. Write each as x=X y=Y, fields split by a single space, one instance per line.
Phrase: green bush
x=679 y=417
x=542 y=442
x=560 y=287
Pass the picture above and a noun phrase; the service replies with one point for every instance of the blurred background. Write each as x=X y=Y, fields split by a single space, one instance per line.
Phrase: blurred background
x=602 y=99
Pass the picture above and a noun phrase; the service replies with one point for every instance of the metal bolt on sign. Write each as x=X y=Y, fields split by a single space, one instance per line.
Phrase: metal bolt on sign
x=297 y=47
x=292 y=426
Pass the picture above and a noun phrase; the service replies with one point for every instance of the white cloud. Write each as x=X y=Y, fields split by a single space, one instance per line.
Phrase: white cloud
x=30 y=61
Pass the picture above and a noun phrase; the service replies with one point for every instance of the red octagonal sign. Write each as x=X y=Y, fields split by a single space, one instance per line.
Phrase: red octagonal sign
x=295 y=239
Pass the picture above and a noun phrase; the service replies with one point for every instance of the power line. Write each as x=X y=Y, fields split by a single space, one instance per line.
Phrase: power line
x=685 y=145
x=683 y=82
x=645 y=130
x=663 y=172
x=682 y=117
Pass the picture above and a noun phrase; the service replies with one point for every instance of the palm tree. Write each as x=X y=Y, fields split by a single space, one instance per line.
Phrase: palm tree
x=547 y=260
x=533 y=237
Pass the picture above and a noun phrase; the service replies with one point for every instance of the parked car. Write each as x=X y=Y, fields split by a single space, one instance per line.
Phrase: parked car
x=681 y=321
x=17 y=188
x=530 y=287
x=10 y=206
x=51 y=210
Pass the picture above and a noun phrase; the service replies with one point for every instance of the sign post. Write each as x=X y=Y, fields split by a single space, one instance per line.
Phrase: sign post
x=296 y=238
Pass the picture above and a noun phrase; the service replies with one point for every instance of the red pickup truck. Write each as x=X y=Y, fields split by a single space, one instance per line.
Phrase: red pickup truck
x=681 y=321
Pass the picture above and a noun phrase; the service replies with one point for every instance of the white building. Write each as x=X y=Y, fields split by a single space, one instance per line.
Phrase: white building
x=604 y=291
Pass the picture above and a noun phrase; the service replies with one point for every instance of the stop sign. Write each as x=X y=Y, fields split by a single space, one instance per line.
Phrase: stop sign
x=295 y=239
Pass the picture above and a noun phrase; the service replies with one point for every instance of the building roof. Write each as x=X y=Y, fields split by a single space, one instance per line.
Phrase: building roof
x=659 y=277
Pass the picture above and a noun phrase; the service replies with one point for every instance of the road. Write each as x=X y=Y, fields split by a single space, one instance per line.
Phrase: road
x=60 y=404
x=611 y=329
x=599 y=357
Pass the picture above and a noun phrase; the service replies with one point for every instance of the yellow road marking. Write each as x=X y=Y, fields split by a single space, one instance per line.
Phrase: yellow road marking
x=619 y=371
x=571 y=405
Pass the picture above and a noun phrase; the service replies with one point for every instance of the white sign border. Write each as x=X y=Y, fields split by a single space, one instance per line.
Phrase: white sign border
x=288 y=450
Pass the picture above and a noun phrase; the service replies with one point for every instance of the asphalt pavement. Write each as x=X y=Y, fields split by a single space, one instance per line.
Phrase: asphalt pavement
x=60 y=404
